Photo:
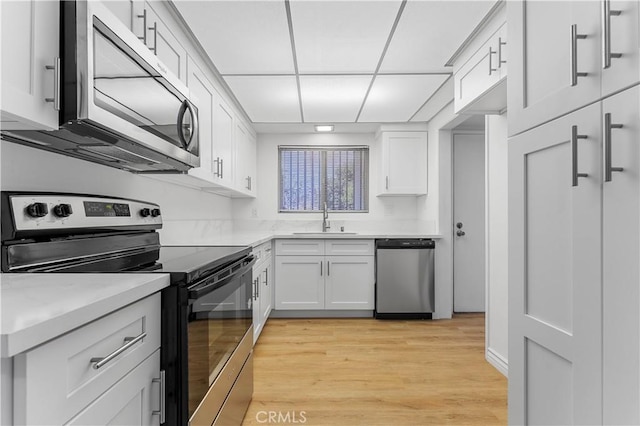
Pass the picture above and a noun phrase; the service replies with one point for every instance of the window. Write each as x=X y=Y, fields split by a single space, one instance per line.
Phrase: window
x=311 y=176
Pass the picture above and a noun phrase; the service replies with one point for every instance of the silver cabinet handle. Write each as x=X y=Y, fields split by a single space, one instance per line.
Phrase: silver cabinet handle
x=144 y=26
x=328 y=268
x=255 y=289
x=266 y=277
x=218 y=161
x=500 y=44
x=607 y=13
x=573 y=49
x=154 y=49
x=387 y=182
x=248 y=179
x=574 y=156
x=56 y=84
x=491 y=53
x=163 y=403
x=222 y=168
x=321 y=263
x=129 y=343
x=608 y=126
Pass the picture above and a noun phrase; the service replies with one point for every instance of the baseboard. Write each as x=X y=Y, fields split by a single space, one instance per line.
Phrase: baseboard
x=498 y=361
x=329 y=313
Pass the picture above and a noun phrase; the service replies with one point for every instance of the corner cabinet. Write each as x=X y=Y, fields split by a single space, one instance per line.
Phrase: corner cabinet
x=87 y=386
x=403 y=167
x=324 y=274
x=30 y=76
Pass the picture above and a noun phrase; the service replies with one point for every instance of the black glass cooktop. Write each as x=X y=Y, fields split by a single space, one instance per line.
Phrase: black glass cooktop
x=187 y=264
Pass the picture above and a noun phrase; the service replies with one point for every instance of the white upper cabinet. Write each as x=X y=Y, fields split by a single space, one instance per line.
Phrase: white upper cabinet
x=562 y=62
x=403 y=163
x=480 y=68
x=223 y=137
x=245 y=160
x=30 y=64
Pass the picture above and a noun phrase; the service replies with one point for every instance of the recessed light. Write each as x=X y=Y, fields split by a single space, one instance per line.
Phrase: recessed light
x=324 y=128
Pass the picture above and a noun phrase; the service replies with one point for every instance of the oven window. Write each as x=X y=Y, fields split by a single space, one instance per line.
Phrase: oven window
x=217 y=323
x=128 y=90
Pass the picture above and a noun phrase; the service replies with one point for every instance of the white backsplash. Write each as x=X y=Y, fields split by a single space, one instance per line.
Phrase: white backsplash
x=195 y=232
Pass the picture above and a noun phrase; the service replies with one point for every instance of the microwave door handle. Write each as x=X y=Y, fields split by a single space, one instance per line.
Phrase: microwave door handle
x=186 y=105
x=202 y=291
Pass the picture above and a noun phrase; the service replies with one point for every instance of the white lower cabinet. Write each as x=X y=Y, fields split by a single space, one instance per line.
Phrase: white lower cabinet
x=325 y=280
x=262 y=288
x=73 y=379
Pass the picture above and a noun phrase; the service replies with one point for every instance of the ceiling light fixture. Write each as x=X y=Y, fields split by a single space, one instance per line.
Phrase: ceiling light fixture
x=324 y=128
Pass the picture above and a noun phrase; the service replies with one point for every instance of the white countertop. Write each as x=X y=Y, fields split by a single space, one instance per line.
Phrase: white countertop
x=38 y=307
x=256 y=238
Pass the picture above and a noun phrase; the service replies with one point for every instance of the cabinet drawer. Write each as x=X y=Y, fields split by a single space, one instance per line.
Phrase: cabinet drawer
x=56 y=380
x=301 y=247
x=262 y=251
x=349 y=247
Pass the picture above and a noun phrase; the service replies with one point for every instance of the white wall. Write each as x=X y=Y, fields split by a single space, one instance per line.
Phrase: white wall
x=497 y=241
x=397 y=214
x=29 y=169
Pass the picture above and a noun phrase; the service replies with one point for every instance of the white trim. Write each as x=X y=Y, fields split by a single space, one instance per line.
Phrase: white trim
x=498 y=361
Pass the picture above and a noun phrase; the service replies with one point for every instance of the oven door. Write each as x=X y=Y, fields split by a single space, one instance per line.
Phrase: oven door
x=112 y=81
x=220 y=317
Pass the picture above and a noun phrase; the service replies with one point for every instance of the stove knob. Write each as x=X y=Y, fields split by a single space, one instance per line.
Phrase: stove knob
x=63 y=210
x=145 y=212
x=37 y=210
x=155 y=212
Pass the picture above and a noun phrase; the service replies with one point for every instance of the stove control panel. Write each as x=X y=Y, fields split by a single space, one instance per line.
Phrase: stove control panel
x=58 y=212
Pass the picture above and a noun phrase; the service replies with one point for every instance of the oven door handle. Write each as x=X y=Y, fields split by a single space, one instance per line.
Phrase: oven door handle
x=202 y=290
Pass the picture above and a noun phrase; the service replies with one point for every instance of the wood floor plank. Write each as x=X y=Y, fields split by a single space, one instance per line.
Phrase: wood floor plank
x=374 y=372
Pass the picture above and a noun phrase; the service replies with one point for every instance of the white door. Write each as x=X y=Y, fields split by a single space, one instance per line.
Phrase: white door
x=469 y=223
x=555 y=292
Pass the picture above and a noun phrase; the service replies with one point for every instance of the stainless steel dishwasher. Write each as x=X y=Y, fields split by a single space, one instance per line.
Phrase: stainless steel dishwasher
x=405 y=279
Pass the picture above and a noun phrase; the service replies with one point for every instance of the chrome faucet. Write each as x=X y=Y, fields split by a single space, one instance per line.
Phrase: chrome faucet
x=325 y=216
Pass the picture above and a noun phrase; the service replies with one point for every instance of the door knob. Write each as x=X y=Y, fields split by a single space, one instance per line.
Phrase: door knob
x=459 y=225
x=460 y=233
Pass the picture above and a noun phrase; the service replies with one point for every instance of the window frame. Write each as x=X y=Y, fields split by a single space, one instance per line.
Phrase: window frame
x=323 y=171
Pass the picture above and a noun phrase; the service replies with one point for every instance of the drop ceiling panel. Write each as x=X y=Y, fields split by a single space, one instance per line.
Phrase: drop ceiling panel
x=395 y=98
x=267 y=98
x=242 y=37
x=332 y=98
x=429 y=32
x=341 y=36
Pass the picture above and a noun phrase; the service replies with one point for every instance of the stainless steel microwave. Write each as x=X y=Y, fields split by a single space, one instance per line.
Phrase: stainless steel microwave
x=119 y=105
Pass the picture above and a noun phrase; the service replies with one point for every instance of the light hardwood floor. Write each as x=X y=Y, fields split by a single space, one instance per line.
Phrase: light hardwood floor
x=374 y=372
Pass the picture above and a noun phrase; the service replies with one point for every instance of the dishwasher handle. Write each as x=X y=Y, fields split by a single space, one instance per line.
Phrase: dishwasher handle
x=415 y=243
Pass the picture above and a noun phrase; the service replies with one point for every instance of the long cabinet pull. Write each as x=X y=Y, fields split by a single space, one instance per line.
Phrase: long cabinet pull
x=386 y=182
x=574 y=156
x=328 y=268
x=607 y=13
x=144 y=26
x=500 y=44
x=154 y=49
x=608 y=169
x=491 y=53
x=129 y=343
x=573 y=49
x=163 y=403
x=321 y=263
x=218 y=161
x=56 y=84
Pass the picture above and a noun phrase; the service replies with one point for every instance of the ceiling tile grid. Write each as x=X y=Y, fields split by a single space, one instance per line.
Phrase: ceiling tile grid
x=332 y=61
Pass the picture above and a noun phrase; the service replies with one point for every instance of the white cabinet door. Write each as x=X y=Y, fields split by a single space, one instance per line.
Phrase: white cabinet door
x=257 y=317
x=30 y=43
x=300 y=282
x=349 y=282
x=539 y=83
x=621 y=252
x=555 y=291
x=245 y=160
x=203 y=95
x=266 y=285
x=223 y=125
x=624 y=39
x=404 y=163
x=131 y=401
x=164 y=44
